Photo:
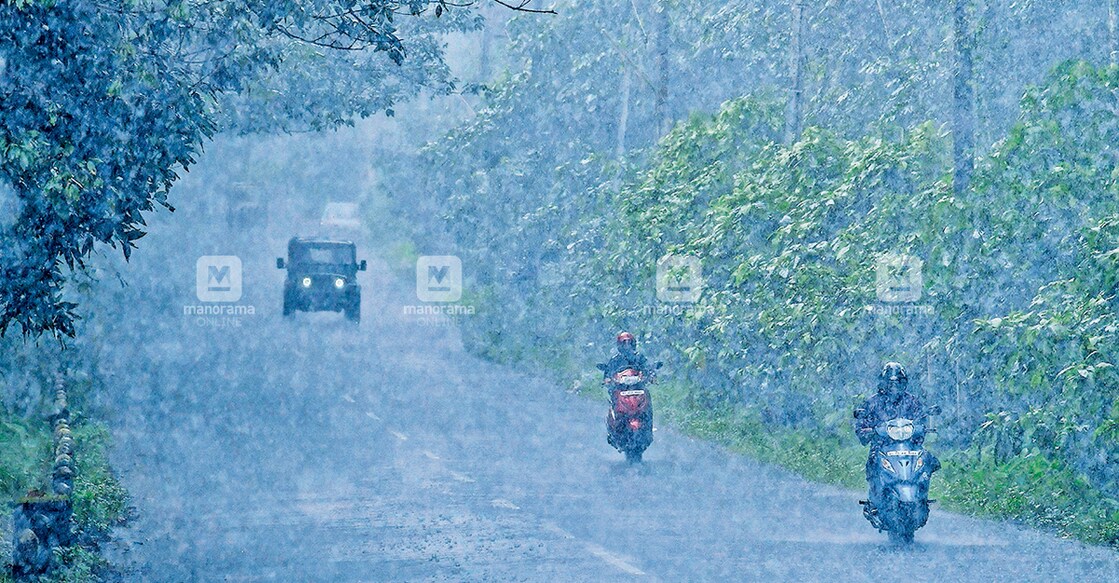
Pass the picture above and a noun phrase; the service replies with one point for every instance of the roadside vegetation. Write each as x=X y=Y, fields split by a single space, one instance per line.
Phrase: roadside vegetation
x=1015 y=328
x=100 y=502
x=26 y=455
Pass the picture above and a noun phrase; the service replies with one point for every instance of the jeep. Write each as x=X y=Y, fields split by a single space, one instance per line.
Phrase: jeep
x=322 y=276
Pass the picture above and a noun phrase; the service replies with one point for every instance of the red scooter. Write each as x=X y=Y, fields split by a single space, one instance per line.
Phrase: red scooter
x=629 y=424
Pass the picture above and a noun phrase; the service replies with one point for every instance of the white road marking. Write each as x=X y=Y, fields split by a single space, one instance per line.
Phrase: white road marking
x=431 y=456
x=503 y=503
x=399 y=435
x=613 y=559
x=461 y=477
x=349 y=398
x=372 y=415
x=555 y=529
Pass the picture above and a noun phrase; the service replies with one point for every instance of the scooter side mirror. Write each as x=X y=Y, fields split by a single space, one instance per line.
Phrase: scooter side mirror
x=859 y=413
x=279 y=263
x=658 y=365
x=601 y=366
x=361 y=266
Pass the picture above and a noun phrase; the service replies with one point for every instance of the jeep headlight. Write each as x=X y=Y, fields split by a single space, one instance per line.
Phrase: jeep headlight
x=886 y=465
x=339 y=283
x=900 y=433
x=306 y=282
x=920 y=463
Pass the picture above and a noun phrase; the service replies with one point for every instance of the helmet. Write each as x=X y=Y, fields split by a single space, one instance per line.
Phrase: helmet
x=627 y=343
x=892 y=381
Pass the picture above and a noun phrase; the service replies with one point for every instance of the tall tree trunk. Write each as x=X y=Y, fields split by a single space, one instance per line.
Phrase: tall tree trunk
x=660 y=102
x=963 y=118
x=1113 y=32
x=794 y=121
x=623 y=115
x=484 y=50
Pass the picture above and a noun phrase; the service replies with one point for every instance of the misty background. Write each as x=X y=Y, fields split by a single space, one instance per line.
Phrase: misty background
x=786 y=145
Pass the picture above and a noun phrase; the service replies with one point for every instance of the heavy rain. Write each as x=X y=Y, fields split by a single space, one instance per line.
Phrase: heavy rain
x=559 y=290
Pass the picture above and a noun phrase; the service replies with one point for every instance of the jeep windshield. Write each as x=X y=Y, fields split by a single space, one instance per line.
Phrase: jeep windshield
x=323 y=254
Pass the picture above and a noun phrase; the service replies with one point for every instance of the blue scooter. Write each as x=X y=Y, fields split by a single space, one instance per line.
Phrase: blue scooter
x=902 y=471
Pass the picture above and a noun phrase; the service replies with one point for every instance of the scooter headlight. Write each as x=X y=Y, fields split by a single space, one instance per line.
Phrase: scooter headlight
x=900 y=433
x=306 y=282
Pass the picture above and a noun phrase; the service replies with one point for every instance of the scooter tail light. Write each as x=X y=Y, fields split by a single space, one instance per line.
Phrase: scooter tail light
x=635 y=423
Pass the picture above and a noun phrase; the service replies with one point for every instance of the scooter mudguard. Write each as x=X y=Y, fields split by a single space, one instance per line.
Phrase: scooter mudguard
x=906 y=492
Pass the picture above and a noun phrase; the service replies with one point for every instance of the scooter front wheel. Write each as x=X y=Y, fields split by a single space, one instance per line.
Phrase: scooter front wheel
x=900 y=538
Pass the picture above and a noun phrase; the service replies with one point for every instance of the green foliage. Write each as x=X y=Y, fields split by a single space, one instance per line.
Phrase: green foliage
x=830 y=458
x=1015 y=333
x=103 y=105
x=1031 y=488
x=25 y=453
x=80 y=565
x=100 y=502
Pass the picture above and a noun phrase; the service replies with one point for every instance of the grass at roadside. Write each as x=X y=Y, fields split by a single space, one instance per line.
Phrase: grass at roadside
x=1031 y=489
x=828 y=459
x=100 y=502
x=25 y=449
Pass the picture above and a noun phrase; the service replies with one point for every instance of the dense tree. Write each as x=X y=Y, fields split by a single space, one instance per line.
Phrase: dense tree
x=1016 y=333
x=102 y=105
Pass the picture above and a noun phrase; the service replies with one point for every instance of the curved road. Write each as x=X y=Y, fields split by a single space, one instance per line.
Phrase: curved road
x=312 y=450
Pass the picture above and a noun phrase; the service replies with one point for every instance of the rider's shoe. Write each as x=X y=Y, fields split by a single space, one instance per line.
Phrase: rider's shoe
x=870 y=511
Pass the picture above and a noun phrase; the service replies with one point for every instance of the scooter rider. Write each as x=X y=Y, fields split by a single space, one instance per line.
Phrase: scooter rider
x=627 y=357
x=893 y=401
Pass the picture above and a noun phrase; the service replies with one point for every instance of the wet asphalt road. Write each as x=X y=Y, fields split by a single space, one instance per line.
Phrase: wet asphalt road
x=314 y=450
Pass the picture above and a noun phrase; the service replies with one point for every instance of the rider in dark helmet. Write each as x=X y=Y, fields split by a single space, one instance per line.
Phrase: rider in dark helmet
x=626 y=357
x=892 y=401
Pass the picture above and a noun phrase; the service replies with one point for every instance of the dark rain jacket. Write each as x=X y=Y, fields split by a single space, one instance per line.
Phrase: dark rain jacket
x=620 y=362
x=880 y=408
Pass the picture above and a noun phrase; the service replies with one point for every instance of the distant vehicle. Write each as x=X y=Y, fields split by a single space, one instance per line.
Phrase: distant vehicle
x=246 y=207
x=341 y=218
x=322 y=276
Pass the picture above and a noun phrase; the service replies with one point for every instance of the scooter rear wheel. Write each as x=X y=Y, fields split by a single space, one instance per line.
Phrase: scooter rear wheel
x=633 y=456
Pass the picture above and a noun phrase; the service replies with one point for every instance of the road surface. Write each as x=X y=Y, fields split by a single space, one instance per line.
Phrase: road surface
x=263 y=449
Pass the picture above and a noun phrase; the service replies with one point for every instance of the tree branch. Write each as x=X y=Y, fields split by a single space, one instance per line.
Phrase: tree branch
x=522 y=7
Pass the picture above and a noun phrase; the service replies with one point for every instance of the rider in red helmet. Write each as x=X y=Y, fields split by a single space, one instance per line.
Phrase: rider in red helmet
x=627 y=357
